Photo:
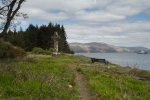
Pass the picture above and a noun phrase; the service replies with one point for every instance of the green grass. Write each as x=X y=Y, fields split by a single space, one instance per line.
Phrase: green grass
x=41 y=77
x=113 y=82
x=37 y=77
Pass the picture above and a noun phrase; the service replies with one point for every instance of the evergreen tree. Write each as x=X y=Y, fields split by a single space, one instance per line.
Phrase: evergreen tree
x=35 y=36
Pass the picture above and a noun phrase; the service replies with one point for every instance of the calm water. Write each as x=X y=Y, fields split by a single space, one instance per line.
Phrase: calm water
x=141 y=61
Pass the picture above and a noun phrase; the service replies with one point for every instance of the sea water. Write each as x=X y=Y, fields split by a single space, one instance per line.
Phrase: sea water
x=140 y=61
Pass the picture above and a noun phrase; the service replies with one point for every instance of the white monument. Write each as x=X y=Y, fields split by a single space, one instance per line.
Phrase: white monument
x=56 y=38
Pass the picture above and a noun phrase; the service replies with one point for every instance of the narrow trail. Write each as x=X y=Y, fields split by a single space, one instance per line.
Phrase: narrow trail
x=82 y=83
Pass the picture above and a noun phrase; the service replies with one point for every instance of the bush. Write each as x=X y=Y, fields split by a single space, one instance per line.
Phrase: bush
x=50 y=50
x=7 y=50
x=37 y=50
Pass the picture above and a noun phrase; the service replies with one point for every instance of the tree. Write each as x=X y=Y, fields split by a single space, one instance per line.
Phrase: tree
x=8 y=10
x=39 y=36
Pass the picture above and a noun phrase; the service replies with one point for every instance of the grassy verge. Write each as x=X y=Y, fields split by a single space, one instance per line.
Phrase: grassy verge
x=37 y=77
x=112 y=82
x=41 y=77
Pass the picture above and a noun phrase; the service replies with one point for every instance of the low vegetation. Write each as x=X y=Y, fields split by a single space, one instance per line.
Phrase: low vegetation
x=37 y=77
x=44 y=77
x=41 y=51
x=113 y=82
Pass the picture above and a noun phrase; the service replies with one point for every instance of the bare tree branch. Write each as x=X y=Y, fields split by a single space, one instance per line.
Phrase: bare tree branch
x=9 y=11
x=2 y=8
x=18 y=7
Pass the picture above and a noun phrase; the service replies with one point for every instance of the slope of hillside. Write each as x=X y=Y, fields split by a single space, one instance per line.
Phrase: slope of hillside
x=103 y=48
x=70 y=77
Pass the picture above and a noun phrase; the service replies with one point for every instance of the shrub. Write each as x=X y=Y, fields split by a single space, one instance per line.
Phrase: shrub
x=50 y=49
x=7 y=50
x=37 y=50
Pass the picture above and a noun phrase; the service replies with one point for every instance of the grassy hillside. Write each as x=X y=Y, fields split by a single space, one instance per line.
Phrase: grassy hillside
x=112 y=82
x=41 y=77
x=37 y=77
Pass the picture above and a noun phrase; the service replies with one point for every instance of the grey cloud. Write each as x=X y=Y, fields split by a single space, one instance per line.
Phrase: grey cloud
x=103 y=21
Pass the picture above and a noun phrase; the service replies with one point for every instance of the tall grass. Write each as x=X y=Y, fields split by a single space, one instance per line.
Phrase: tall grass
x=116 y=83
x=37 y=77
x=41 y=77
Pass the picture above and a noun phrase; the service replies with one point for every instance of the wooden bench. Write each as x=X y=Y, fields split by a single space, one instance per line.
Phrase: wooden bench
x=99 y=60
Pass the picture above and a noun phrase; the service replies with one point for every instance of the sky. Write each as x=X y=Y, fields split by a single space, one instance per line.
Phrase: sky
x=116 y=22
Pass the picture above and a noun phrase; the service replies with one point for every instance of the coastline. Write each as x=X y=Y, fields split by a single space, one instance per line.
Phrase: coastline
x=132 y=60
x=124 y=70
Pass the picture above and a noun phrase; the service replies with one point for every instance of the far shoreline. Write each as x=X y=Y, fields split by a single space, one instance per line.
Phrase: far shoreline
x=110 y=59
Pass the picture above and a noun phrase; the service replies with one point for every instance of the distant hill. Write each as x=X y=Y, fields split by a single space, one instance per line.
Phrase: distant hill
x=95 y=47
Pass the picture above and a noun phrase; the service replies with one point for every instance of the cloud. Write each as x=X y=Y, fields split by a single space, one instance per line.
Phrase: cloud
x=106 y=21
x=98 y=16
x=122 y=34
